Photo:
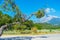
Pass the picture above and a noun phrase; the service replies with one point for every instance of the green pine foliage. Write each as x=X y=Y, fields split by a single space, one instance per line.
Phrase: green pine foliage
x=24 y=22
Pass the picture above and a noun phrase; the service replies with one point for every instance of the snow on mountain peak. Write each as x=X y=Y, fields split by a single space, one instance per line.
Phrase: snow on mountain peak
x=47 y=18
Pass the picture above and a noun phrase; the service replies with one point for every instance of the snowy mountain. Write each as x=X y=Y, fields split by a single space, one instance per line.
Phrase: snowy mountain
x=50 y=19
x=55 y=21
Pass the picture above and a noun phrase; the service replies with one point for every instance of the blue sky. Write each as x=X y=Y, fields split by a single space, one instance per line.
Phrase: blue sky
x=30 y=6
x=52 y=7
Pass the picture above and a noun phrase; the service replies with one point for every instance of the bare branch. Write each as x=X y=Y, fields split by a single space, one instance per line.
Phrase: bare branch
x=4 y=26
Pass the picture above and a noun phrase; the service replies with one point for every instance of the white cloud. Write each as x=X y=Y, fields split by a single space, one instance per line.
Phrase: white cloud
x=47 y=18
x=53 y=10
x=48 y=10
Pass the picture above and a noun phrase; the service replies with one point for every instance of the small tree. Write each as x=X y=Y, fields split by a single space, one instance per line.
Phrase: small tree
x=9 y=5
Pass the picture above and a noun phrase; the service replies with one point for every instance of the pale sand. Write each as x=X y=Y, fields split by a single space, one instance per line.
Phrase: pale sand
x=5 y=36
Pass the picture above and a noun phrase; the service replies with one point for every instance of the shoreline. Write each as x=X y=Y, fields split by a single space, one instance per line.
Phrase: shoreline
x=27 y=35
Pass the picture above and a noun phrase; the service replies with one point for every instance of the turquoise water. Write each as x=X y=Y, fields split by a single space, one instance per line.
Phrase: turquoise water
x=16 y=38
x=39 y=37
x=22 y=38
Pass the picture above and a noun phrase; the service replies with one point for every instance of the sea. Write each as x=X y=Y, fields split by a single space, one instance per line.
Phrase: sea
x=39 y=37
